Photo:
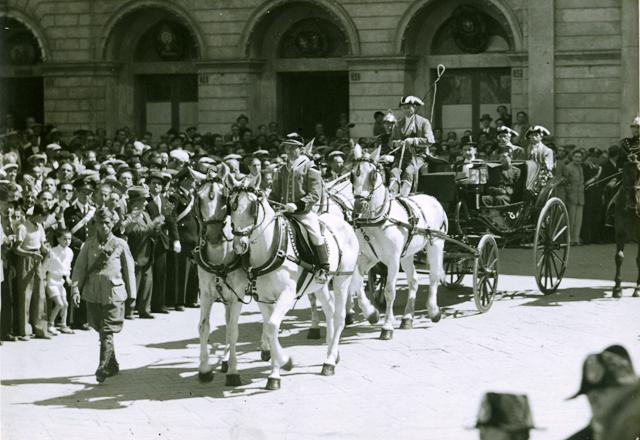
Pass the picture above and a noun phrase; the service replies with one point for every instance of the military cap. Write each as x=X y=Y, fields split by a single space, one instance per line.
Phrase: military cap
x=508 y=412
x=114 y=184
x=232 y=156
x=53 y=147
x=157 y=175
x=84 y=183
x=293 y=140
x=411 y=100
x=137 y=193
x=609 y=368
x=261 y=153
x=335 y=154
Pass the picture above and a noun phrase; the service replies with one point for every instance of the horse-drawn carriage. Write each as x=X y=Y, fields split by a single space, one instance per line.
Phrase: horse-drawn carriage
x=534 y=216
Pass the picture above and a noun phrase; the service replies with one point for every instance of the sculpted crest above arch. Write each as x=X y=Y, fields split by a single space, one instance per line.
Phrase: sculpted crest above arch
x=502 y=6
x=332 y=7
x=133 y=6
x=33 y=26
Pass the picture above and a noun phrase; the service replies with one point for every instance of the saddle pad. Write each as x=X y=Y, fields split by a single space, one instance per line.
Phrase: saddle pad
x=301 y=243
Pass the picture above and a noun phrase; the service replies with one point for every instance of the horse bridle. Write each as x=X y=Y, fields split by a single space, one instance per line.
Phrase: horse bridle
x=356 y=172
x=224 y=201
x=235 y=192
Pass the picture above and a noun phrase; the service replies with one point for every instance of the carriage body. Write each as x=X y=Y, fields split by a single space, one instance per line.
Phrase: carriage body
x=534 y=216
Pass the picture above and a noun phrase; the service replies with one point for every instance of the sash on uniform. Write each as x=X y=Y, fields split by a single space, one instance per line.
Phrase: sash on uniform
x=86 y=219
x=187 y=210
x=409 y=126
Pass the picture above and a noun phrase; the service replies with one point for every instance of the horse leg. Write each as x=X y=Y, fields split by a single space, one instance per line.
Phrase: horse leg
x=390 y=297
x=636 y=291
x=314 y=331
x=435 y=258
x=279 y=359
x=350 y=315
x=265 y=351
x=356 y=288
x=233 y=315
x=224 y=365
x=412 y=282
x=617 y=289
x=205 y=370
x=329 y=308
x=340 y=293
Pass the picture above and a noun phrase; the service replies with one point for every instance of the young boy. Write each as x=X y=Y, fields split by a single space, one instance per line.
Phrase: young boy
x=57 y=265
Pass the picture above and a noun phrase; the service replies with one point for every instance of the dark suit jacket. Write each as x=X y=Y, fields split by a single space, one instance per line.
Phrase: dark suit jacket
x=72 y=215
x=169 y=231
x=140 y=237
x=187 y=226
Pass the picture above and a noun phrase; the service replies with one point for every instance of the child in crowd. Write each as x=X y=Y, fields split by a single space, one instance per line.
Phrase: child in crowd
x=58 y=268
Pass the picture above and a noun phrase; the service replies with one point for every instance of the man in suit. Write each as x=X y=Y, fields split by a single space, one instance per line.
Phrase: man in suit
x=485 y=127
x=140 y=231
x=186 y=273
x=413 y=133
x=298 y=186
x=500 y=193
x=77 y=218
x=168 y=238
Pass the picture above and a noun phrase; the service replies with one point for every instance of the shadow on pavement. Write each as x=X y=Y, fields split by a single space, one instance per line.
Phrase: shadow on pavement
x=568 y=295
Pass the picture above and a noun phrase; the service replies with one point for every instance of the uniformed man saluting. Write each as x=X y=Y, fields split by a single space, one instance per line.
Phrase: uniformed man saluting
x=104 y=275
x=414 y=133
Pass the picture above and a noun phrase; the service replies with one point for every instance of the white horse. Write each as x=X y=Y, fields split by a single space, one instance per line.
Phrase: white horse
x=263 y=239
x=389 y=235
x=220 y=276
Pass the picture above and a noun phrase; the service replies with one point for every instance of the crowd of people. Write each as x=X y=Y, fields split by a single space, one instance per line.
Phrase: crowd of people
x=52 y=186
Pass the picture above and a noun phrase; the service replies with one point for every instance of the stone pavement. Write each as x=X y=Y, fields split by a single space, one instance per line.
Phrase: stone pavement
x=424 y=384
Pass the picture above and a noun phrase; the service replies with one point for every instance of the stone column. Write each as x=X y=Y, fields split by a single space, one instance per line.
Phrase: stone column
x=76 y=94
x=226 y=89
x=541 y=63
x=630 y=71
x=376 y=84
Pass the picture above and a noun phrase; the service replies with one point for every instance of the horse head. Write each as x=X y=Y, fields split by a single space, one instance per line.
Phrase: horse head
x=366 y=178
x=212 y=195
x=244 y=208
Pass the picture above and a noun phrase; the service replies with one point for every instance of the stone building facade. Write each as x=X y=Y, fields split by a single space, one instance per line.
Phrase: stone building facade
x=572 y=65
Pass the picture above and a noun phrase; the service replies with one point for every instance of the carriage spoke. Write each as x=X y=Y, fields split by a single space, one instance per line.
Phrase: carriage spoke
x=556 y=235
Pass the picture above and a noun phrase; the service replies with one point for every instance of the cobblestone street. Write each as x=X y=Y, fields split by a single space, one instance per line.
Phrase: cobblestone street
x=426 y=383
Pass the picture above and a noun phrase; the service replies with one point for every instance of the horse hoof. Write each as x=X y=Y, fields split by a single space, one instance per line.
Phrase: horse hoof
x=328 y=370
x=374 y=317
x=273 y=384
x=437 y=317
x=265 y=355
x=349 y=319
x=288 y=366
x=205 y=377
x=617 y=292
x=314 y=333
x=386 y=335
x=233 y=380
x=224 y=366
x=406 y=324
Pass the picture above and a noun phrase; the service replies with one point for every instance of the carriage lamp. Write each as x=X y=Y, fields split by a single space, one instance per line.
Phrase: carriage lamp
x=478 y=174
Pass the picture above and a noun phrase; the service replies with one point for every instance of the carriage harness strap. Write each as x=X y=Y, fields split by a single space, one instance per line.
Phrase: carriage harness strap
x=283 y=236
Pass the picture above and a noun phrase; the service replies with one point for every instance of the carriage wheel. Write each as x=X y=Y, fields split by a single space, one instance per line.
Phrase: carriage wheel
x=453 y=275
x=551 y=245
x=485 y=273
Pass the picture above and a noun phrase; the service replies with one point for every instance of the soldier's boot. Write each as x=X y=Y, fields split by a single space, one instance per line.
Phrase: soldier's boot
x=322 y=275
x=106 y=351
x=113 y=367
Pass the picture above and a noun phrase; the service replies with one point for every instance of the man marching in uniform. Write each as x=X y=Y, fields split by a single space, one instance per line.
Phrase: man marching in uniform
x=298 y=186
x=414 y=134
x=104 y=274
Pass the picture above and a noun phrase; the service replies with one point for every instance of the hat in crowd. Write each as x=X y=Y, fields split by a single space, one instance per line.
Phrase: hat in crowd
x=139 y=147
x=180 y=155
x=486 y=116
x=10 y=166
x=293 y=140
x=378 y=113
x=193 y=127
x=508 y=412
x=9 y=191
x=390 y=117
x=636 y=122
x=38 y=157
x=260 y=153
x=232 y=156
x=538 y=129
x=53 y=147
x=610 y=368
x=335 y=154
x=411 y=100
x=136 y=193
x=114 y=184
x=84 y=183
x=242 y=116
x=157 y=175
x=322 y=149
x=468 y=140
x=504 y=129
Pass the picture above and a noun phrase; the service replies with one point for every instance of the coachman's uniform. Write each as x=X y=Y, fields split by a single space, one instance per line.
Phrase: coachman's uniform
x=301 y=184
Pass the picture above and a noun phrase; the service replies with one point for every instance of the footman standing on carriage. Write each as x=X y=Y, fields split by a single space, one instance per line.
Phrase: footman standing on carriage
x=104 y=274
x=505 y=134
x=298 y=186
x=540 y=154
x=414 y=135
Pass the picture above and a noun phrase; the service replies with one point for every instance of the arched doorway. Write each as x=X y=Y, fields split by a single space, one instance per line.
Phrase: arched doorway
x=305 y=79
x=158 y=79
x=478 y=44
x=21 y=83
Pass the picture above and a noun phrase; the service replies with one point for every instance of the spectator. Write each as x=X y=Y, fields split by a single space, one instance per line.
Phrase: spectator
x=572 y=179
x=521 y=125
x=57 y=266
x=378 y=124
x=503 y=114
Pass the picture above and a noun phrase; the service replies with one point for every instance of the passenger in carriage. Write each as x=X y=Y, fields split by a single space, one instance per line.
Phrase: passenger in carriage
x=414 y=133
x=505 y=146
x=539 y=152
x=469 y=152
x=501 y=192
x=298 y=186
